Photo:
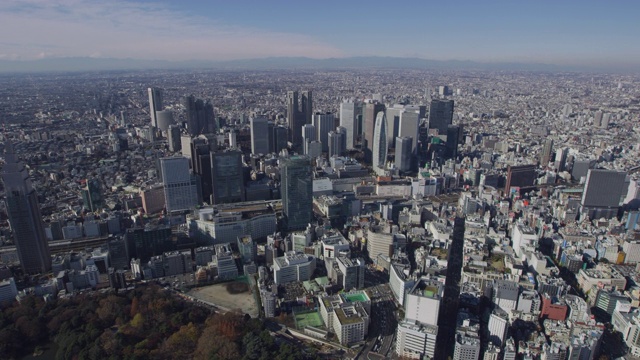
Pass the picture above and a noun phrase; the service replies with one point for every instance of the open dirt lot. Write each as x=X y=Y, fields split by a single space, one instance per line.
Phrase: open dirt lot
x=232 y=296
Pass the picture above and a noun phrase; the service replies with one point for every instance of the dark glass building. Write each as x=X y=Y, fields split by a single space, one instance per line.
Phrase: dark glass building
x=24 y=216
x=296 y=189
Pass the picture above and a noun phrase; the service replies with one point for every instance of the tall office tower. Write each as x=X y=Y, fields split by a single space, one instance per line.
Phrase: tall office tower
x=403 y=153
x=180 y=190
x=280 y=136
x=297 y=192
x=227 y=177
x=423 y=302
x=292 y=112
x=370 y=110
x=201 y=166
x=451 y=146
x=92 y=195
x=440 y=115
x=581 y=167
x=547 y=149
x=164 y=119
x=604 y=192
x=174 y=138
x=393 y=123
x=408 y=127
x=379 y=149
x=306 y=106
x=520 y=176
x=259 y=136
x=342 y=131
x=24 y=215
x=560 y=162
x=449 y=309
x=606 y=118
x=597 y=118
x=323 y=123
x=200 y=116
x=270 y=134
x=308 y=135
x=155 y=104
x=296 y=118
x=348 y=119
x=418 y=332
x=337 y=141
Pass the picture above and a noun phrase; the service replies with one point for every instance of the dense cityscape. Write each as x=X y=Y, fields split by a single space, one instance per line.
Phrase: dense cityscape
x=346 y=213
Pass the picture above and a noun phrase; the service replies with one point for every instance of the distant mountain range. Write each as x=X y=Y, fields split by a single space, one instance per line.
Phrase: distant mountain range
x=277 y=63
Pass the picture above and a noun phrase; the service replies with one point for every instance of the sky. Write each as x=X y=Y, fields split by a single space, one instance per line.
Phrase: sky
x=585 y=32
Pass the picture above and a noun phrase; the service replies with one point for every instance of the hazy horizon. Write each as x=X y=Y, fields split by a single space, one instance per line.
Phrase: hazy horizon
x=585 y=34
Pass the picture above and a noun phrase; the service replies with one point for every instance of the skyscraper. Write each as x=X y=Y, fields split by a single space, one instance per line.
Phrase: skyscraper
x=296 y=190
x=173 y=138
x=337 y=141
x=92 y=195
x=280 y=135
x=348 y=120
x=323 y=123
x=201 y=166
x=440 y=115
x=155 y=104
x=403 y=153
x=451 y=146
x=180 y=190
x=297 y=118
x=308 y=135
x=380 y=143
x=227 y=177
x=371 y=110
x=259 y=136
x=164 y=119
x=292 y=111
x=24 y=216
x=306 y=106
x=393 y=123
x=409 y=123
x=547 y=149
x=200 y=116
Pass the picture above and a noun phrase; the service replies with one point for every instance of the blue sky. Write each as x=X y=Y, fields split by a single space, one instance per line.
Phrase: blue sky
x=559 y=32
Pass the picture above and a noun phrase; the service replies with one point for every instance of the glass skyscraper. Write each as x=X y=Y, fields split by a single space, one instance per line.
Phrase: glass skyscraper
x=24 y=216
x=297 y=192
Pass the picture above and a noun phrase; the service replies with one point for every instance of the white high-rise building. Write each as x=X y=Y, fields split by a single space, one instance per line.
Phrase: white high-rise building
x=380 y=145
x=348 y=120
x=155 y=104
x=498 y=326
x=422 y=302
x=179 y=184
x=415 y=340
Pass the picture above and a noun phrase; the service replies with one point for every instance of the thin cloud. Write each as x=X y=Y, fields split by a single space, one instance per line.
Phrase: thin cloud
x=126 y=29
